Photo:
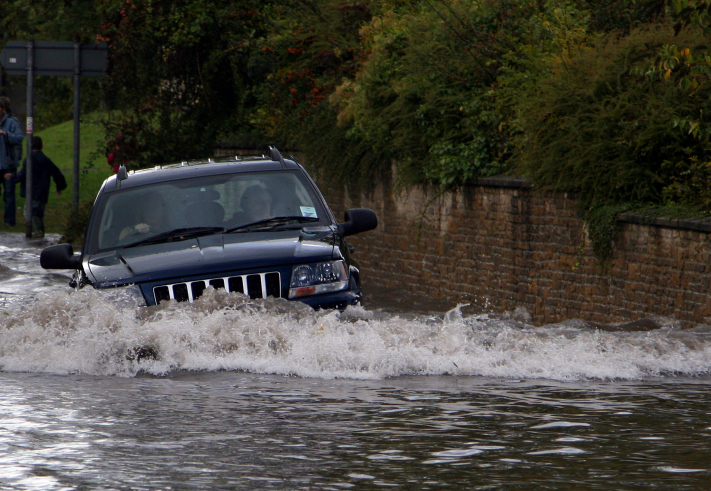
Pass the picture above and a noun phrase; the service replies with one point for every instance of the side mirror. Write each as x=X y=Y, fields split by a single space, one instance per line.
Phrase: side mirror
x=60 y=257
x=358 y=220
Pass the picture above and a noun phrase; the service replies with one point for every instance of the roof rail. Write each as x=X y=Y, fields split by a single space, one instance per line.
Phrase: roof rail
x=121 y=175
x=275 y=155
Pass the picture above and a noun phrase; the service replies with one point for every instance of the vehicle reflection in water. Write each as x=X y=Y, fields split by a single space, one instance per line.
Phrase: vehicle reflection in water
x=269 y=394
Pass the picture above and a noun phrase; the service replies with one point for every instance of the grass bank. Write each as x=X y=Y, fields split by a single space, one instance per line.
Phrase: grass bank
x=59 y=146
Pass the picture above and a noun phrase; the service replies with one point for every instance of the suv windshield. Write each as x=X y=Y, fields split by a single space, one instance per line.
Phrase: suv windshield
x=206 y=205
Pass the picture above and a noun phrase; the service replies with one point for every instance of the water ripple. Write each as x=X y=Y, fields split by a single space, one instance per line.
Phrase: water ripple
x=559 y=451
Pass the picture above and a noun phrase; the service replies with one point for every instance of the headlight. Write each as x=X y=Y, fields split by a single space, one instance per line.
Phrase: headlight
x=310 y=279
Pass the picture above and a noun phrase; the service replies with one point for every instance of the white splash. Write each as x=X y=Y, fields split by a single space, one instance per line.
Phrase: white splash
x=93 y=332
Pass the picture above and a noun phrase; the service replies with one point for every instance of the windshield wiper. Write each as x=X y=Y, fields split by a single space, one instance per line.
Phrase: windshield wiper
x=177 y=234
x=270 y=223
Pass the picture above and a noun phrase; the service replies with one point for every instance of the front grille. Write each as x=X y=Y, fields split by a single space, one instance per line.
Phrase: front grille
x=260 y=285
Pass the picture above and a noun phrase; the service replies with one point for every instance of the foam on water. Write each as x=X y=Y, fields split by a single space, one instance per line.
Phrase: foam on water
x=95 y=332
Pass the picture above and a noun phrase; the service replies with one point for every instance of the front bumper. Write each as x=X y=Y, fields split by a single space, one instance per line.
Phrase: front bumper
x=336 y=300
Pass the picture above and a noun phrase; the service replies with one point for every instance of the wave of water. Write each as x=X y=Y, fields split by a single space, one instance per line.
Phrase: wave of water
x=95 y=332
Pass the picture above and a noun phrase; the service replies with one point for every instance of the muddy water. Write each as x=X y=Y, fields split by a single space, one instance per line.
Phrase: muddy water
x=404 y=392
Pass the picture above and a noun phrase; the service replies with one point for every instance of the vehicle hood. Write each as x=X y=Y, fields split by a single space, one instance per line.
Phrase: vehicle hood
x=214 y=254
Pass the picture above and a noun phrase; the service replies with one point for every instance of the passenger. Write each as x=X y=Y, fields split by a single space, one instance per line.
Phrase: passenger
x=256 y=203
x=152 y=218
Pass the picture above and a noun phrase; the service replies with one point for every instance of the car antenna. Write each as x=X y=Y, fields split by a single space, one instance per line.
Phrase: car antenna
x=121 y=175
x=275 y=155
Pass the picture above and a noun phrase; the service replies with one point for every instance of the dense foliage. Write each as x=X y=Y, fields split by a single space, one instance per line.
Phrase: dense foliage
x=604 y=98
x=179 y=75
x=598 y=127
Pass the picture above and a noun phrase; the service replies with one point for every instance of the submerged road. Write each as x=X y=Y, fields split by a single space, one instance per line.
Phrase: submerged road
x=404 y=392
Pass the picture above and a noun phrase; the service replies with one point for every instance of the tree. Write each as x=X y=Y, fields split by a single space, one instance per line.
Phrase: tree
x=178 y=75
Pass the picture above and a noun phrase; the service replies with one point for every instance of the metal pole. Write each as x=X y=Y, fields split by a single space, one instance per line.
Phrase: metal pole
x=77 y=86
x=30 y=129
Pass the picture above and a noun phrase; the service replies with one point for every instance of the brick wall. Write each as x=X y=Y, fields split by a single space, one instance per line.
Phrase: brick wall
x=500 y=245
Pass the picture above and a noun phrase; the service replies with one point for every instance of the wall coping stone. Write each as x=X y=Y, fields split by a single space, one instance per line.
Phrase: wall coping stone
x=695 y=224
x=698 y=225
x=504 y=181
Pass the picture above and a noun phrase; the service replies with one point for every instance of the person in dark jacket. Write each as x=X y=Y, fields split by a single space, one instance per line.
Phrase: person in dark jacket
x=10 y=139
x=43 y=169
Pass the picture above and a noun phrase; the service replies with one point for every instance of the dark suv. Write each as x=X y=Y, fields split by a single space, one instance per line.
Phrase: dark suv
x=253 y=225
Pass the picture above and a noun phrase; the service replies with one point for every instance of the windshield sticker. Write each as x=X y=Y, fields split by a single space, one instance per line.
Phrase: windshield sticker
x=308 y=211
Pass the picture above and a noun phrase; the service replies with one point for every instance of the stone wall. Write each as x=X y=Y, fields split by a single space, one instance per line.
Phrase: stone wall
x=499 y=245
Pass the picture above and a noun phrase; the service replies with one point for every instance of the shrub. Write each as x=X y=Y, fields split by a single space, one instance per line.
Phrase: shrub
x=598 y=128
x=428 y=93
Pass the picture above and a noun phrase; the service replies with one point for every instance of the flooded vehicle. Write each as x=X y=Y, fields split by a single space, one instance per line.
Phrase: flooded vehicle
x=253 y=225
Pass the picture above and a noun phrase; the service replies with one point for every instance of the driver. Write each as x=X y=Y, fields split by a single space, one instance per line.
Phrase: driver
x=151 y=218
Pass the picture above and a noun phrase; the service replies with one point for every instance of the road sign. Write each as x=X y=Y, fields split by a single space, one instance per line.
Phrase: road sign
x=54 y=58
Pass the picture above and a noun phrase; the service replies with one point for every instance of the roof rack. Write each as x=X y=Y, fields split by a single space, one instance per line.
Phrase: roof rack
x=275 y=155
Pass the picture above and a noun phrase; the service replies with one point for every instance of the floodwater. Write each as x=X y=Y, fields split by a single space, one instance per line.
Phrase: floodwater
x=403 y=392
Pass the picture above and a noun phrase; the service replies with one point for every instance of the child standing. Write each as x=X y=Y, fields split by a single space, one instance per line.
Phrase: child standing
x=43 y=169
